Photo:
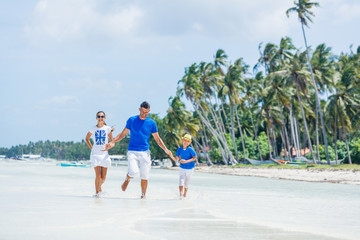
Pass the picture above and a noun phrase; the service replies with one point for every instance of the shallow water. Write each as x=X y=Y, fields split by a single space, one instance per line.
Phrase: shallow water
x=40 y=200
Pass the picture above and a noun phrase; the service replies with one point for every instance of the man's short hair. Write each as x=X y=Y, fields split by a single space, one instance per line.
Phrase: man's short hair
x=145 y=105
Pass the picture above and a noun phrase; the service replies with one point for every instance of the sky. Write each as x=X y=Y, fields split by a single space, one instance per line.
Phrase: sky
x=61 y=61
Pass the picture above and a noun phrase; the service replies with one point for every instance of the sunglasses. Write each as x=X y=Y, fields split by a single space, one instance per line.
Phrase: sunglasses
x=100 y=116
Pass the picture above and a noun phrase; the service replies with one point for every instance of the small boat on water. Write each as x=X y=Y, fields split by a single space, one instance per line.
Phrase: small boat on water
x=257 y=162
x=73 y=164
x=25 y=157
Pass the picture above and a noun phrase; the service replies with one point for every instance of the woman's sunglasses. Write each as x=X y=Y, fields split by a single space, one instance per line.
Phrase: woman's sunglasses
x=100 y=116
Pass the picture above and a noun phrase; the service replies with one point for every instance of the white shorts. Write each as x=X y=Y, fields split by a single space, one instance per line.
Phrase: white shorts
x=139 y=161
x=103 y=160
x=185 y=176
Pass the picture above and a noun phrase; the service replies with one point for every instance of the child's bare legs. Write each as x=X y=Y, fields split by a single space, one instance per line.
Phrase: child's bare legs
x=185 y=191
x=181 y=191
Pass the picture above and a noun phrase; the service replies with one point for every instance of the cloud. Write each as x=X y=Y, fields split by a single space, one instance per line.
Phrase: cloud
x=63 y=100
x=68 y=20
x=347 y=12
x=92 y=85
x=144 y=21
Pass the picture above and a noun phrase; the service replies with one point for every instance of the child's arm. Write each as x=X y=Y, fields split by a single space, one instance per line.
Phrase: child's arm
x=172 y=157
x=187 y=161
x=87 y=140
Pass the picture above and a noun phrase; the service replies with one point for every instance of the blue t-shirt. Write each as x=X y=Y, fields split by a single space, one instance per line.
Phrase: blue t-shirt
x=186 y=154
x=140 y=131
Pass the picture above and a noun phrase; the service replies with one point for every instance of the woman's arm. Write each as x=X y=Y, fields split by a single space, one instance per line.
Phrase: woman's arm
x=87 y=140
x=111 y=136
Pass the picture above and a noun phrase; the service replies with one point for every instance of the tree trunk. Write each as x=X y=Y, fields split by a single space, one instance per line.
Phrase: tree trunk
x=255 y=134
x=296 y=124
x=287 y=142
x=213 y=132
x=274 y=140
x=197 y=150
x=317 y=134
x=225 y=117
x=205 y=144
x=293 y=133
x=335 y=144
x=232 y=131
x=316 y=96
x=220 y=136
x=304 y=119
x=205 y=152
x=269 y=144
x=347 y=145
x=241 y=135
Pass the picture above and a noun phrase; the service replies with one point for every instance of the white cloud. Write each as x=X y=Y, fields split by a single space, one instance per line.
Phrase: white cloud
x=62 y=100
x=67 y=20
x=89 y=84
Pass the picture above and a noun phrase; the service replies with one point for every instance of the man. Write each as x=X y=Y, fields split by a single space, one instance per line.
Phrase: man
x=138 y=155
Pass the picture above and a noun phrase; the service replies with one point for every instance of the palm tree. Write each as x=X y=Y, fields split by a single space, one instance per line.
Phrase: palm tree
x=323 y=69
x=297 y=75
x=231 y=88
x=302 y=8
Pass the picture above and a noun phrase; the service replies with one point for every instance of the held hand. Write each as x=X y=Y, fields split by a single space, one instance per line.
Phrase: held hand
x=183 y=161
x=108 y=146
x=168 y=152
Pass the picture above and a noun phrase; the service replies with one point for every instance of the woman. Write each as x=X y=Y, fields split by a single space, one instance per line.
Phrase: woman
x=99 y=158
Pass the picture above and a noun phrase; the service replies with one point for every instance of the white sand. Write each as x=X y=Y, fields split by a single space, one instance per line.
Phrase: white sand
x=311 y=175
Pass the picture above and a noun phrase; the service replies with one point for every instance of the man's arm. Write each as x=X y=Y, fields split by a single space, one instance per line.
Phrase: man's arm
x=161 y=144
x=118 y=138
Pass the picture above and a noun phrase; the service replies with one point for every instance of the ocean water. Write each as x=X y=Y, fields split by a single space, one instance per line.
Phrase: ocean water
x=40 y=200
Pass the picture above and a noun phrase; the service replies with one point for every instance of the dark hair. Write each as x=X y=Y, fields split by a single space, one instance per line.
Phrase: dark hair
x=104 y=115
x=145 y=105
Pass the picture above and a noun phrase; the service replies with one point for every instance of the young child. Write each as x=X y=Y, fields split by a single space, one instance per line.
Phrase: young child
x=187 y=156
x=100 y=159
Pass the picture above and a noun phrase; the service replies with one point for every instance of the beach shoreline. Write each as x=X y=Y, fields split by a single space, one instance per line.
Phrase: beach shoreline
x=309 y=175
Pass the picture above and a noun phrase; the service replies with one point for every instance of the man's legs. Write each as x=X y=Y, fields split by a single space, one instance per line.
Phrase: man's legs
x=145 y=166
x=144 y=184
x=133 y=168
x=126 y=182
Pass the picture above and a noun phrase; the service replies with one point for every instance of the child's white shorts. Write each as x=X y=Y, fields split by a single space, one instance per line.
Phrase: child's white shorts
x=185 y=176
x=139 y=161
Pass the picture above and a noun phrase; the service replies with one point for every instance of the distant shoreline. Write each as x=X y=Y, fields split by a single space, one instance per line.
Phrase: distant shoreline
x=308 y=175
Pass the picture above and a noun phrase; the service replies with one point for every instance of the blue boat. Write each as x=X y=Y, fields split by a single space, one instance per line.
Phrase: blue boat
x=73 y=164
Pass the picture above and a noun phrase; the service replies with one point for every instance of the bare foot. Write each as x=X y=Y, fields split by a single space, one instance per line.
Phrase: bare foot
x=125 y=184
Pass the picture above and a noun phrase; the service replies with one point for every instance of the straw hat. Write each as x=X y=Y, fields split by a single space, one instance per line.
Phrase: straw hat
x=187 y=137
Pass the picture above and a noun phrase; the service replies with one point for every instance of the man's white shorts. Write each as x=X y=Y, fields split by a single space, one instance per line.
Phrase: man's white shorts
x=185 y=176
x=139 y=161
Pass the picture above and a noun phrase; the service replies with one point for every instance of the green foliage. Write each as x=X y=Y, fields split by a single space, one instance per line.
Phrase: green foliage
x=354 y=147
x=322 y=152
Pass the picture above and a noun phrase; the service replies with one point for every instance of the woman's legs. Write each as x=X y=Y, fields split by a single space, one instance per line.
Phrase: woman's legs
x=97 y=179
x=103 y=172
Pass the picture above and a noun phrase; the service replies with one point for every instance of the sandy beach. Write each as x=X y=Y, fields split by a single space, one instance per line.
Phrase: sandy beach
x=310 y=175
